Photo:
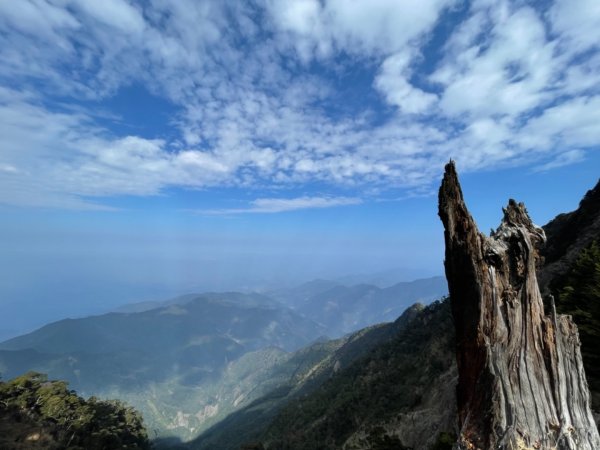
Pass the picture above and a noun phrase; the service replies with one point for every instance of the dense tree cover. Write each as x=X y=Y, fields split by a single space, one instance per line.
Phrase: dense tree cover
x=578 y=294
x=37 y=413
x=393 y=379
x=567 y=232
x=304 y=371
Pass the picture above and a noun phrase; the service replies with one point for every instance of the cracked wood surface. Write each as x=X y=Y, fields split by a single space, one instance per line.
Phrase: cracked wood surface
x=521 y=379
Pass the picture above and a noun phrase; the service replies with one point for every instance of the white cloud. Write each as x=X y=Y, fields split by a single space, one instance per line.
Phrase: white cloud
x=276 y=205
x=65 y=152
x=563 y=159
x=577 y=21
x=509 y=75
x=117 y=14
x=393 y=81
x=64 y=155
x=357 y=27
x=8 y=168
x=573 y=123
x=37 y=18
x=387 y=28
x=513 y=89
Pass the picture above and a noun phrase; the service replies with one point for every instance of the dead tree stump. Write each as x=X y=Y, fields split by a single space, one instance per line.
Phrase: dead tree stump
x=521 y=379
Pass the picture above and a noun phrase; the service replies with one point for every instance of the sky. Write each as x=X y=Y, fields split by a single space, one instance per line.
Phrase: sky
x=157 y=147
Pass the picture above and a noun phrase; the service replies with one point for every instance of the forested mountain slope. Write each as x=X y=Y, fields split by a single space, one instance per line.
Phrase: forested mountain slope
x=185 y=366
x=571 y=273
x=378 y=383
x=39 y=414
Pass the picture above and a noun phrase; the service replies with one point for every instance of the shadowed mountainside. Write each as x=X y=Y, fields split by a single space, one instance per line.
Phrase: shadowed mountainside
x=572 y=274
x=567 y=235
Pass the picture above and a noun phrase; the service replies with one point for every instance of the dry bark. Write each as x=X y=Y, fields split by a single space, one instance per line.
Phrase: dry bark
x=521 y=378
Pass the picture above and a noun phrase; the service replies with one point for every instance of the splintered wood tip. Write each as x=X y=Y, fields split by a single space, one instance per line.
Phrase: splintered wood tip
x=450 y=191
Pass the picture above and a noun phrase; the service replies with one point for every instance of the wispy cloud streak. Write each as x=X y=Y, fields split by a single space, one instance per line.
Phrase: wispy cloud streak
x=277 y=205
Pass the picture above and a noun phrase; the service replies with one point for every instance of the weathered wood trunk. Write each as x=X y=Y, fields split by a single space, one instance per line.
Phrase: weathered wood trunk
x=521 y=379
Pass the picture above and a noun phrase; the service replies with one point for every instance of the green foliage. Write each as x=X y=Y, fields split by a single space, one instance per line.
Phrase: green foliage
x=71 y=421
x=253 y=446
x=578 y=294
x=299 y=375
x=392 y=379
x=445 y=441
x=378 y=439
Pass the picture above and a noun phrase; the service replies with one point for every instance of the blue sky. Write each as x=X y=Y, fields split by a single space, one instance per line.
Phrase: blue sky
x=153 y=147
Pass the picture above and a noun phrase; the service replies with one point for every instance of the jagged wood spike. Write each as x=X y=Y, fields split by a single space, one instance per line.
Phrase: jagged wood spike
x=521 y=378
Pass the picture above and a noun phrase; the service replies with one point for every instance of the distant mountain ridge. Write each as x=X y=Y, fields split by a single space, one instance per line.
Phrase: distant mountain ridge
x=180 y=352
x=187 y=362
x=343 y=309
x=208 y=313
x=384 y=278
x=248 y=299
x=339 y=308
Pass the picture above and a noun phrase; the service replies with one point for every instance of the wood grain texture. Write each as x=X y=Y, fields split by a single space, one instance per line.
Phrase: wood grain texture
x=521 y=379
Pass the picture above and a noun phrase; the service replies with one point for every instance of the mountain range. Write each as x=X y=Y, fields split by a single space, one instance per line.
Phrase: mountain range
x=342 y=309
x=162 y=358
x=188 y=362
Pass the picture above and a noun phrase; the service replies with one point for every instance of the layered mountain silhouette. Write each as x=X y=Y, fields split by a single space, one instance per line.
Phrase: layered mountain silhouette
x=343 y=309
x=163 y=359
x=188 y=362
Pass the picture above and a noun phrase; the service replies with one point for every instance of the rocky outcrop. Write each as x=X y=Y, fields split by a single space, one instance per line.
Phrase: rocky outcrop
x=521 y=381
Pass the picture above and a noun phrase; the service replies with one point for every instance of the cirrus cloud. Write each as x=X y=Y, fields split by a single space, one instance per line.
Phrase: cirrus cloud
x=276 y=205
